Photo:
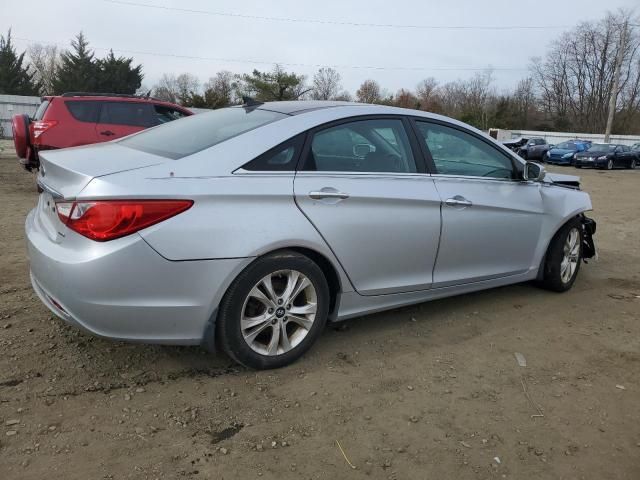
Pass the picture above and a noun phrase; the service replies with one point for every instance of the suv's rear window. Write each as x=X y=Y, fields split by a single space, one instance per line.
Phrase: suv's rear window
x=84 y=110
x=195 y=133
x=41 y=109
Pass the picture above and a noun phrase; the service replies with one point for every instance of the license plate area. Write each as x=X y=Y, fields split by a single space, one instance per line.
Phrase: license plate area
x=49 y=217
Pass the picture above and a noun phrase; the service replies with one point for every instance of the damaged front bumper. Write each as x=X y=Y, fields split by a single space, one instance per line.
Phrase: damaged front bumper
x=589 y=249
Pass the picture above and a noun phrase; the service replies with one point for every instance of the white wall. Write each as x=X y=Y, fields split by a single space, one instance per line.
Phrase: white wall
x=559 y=137
x=13 y=104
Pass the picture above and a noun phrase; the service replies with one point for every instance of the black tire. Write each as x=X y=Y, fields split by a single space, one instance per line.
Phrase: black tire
x=578 y=166
x=228 y=329
x=552 y=275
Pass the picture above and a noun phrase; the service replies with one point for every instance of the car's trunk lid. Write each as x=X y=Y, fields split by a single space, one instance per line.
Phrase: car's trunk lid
x=65 y=173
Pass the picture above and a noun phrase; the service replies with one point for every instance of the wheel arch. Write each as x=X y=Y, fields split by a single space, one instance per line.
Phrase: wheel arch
x=329 y=269
x=578 y=215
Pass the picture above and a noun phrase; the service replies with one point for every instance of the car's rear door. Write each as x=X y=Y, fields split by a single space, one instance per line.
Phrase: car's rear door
x=363 y=186
x=119 y=119
x=491 y=221
x=82 y=130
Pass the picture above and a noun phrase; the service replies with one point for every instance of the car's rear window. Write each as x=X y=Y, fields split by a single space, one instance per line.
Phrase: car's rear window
x=195 y=133
x=41 y=109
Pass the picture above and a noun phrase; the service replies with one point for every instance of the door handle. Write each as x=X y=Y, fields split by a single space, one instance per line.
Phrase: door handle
x=108 y=133
x=319 y=195
x=458 y=201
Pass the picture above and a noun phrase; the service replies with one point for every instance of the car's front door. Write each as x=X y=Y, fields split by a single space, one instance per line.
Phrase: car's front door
x=491 y=221
x=361 y=184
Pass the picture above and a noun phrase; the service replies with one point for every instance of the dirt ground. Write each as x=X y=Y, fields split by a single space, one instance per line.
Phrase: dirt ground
x=432 y=391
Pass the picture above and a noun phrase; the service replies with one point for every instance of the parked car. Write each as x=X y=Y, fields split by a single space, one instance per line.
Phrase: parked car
x=636 y=147
x=516 y=143
x=564 y=153
x=607 y=155
x=74 y=119
x=534 y=149
x=250 y=227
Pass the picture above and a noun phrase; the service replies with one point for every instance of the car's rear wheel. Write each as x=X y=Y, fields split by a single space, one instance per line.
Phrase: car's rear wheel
x=563 y=259
x=274 y=311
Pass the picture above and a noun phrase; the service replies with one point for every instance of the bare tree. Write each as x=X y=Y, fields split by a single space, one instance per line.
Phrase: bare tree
x=427 y=93
x=178 y=89
x=44 y=60
x=166 y=89
x=344 y=96
x=326 y=84
x=406 y=99
x=219 y=90
x=575 y=78
x=524 y=99
x=369 y=92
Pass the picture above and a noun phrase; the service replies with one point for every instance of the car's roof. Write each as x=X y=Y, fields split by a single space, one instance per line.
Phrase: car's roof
x=295 y=107
x=105 y=97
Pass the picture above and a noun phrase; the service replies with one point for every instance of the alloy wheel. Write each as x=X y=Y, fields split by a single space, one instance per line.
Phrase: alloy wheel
x=571 y=255
x=278 y=312
x=610 y=165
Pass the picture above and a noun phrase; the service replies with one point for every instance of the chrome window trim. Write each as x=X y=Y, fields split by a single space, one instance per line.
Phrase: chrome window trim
x=483 y=179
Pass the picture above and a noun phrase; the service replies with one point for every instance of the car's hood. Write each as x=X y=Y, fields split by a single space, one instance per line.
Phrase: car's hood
x=562 y=179
x=560 y=151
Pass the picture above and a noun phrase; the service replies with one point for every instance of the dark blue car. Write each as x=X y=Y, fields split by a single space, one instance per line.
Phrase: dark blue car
x=564 y=153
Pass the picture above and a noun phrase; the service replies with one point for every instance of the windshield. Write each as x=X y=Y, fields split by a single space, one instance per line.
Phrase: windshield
x=567 y=146
x=601 y=147
x=192 y=134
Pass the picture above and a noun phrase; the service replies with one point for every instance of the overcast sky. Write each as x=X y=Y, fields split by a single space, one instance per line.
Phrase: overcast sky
x=237 y=43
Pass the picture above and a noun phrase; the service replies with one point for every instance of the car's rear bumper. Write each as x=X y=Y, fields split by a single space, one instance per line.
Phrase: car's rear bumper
x=124 y=289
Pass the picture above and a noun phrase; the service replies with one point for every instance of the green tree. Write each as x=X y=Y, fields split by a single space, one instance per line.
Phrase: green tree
x=78 y=71
x=273 y=86
x=117 y=75
x=15 y=79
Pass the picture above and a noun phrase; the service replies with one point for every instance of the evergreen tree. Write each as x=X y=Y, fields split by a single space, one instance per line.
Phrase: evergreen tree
x=273 y=86
x=78 y=71
x=15 y=79
x=116 y=75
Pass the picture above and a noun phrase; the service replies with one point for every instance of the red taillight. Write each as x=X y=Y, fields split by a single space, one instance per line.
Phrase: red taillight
x=104 y=220
x=39 y=127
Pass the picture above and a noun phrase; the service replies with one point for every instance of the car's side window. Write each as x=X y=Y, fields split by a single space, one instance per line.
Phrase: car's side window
x=127 y=113
x=281 y=158
x=377 y=145
x=455 y=152
x=166 y=114
x=84 y=111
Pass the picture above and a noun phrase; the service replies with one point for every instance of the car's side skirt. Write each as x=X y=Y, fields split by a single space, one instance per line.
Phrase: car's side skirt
x=354 y=305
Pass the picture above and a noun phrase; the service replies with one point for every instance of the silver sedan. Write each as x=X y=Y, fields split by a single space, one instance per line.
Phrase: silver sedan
x=251 y=227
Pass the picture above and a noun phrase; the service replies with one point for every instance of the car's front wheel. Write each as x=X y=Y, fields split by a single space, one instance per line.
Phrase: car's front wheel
x=564 y=257
x=610 y=164
x=274 y=311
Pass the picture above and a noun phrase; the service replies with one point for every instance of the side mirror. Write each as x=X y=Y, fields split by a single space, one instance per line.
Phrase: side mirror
x=533 y=172
x=361 y=150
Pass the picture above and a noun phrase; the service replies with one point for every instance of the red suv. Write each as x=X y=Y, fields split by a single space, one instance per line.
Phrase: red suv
x=74 y=119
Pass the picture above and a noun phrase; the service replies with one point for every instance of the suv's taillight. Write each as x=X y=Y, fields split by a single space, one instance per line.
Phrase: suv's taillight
x=104 y=220
x=39 y=127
